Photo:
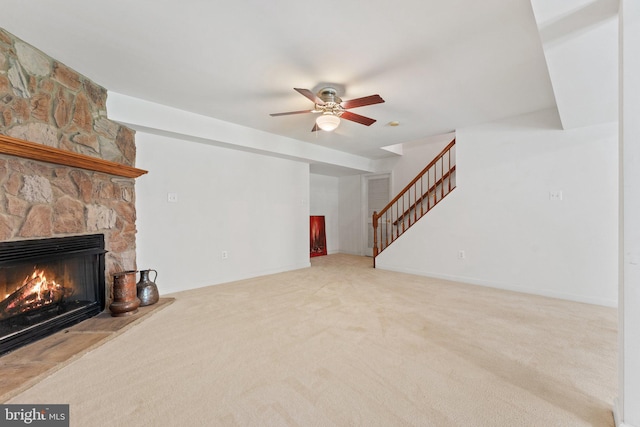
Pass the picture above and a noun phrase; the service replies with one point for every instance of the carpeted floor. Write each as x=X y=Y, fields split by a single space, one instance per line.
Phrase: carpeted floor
x=28 y=365
x=343 y=344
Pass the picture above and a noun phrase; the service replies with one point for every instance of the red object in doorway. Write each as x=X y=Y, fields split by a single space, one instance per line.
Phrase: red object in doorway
x=318 y=238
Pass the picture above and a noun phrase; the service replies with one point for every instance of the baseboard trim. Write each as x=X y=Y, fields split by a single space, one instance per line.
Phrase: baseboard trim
x=244 y=276
x=486 y=283
x=350 y=252
x=616 y=415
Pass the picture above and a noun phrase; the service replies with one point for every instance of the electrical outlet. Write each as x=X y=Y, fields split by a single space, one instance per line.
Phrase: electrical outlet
x=555 y=195
x=461 y=254
x=172 y=197
x=225 y=254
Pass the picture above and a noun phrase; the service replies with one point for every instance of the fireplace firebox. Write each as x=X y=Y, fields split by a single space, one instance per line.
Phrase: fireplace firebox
x=47 y=285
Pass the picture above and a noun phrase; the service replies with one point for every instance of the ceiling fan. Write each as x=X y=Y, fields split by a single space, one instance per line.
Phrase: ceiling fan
x=333 y=108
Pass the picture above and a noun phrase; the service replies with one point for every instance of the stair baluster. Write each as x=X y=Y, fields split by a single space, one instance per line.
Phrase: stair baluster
x=396 y=217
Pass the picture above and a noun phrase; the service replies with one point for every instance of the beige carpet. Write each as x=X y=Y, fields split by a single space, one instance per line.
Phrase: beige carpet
x=28 y=365
x=343 y=344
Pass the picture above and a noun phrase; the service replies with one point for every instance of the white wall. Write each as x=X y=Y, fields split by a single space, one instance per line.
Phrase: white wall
x=324 y=196
x=628 y=409
x=513 y=235
x=580 y=39
x=351 y=215
x=416 y=156
x=252 y=206
x=413 y=161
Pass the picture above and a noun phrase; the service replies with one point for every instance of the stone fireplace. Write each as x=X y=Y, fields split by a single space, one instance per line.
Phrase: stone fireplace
x=43 y=101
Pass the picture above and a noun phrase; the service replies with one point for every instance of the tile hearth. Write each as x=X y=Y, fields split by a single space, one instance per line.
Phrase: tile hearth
x=27 y=365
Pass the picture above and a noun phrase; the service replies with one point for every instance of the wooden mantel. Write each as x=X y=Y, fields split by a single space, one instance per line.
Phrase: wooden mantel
x=29 y=150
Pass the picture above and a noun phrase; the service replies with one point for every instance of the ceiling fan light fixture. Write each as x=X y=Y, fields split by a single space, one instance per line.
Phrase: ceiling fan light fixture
x=328 y=122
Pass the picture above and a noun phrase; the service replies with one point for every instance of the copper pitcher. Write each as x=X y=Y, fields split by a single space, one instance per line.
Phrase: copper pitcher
x=125 y=299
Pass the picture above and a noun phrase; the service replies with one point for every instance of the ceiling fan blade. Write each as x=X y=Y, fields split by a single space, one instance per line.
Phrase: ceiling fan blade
x=290 y=112
x=312 y=96
x=361 y=102
x=348 y=115
x=315 y=128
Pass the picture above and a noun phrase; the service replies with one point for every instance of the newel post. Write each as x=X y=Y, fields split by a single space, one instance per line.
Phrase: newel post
x=374 y=221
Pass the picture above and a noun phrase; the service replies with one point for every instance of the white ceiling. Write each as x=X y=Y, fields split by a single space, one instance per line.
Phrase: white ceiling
x=580 y=41
x=439 y=65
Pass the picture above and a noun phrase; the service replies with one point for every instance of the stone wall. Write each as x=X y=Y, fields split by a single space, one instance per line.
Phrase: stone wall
x=43 y=101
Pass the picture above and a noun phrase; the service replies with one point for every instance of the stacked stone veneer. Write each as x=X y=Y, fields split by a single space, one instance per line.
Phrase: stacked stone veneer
x=43 y=101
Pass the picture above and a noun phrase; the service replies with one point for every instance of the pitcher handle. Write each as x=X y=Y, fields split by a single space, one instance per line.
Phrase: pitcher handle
x=155 y=277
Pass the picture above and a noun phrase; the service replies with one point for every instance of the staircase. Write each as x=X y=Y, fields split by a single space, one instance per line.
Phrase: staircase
x=425 y=191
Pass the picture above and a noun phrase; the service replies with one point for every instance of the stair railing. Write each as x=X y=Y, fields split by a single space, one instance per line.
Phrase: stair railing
x=425 y=191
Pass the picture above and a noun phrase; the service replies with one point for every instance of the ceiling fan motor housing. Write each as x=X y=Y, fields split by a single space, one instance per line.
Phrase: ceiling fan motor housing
x=331 y=102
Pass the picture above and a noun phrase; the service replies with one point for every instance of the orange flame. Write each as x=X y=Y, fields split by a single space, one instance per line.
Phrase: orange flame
x=40 y=284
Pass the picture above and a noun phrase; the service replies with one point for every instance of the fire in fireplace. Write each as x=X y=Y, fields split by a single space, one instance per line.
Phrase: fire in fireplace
x=47 y=285
x=35 y=292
